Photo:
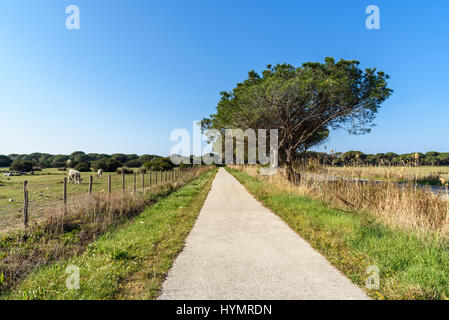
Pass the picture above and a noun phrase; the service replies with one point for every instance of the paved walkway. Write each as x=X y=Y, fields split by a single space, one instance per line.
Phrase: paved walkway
x=240 y=250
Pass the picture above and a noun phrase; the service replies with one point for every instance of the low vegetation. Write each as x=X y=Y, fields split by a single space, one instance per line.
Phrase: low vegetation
x=430 y=175
x=360 y=159
x=130 y=262
x=46 y=190
x=64 y=233
x=411 y=248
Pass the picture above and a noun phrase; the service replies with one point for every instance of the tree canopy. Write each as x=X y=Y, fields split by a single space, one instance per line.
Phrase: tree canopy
x=303 y=101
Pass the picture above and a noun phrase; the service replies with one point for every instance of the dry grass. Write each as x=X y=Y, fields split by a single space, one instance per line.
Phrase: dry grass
x=65 y=232
x=406 y=207
x=412 y=265
x=416 y=174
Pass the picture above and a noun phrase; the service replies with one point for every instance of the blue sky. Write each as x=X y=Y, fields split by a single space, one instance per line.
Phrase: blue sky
x=136 y=70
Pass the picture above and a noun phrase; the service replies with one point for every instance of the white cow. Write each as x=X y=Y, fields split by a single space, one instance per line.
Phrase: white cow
x=75 y=176
x=99 y=173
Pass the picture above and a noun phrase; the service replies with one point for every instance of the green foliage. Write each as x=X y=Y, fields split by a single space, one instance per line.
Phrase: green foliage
x=148 y=157
x=132 y=157
x=412 y=265
x=301 y=101
x=358 y=158
x=5 y=161
x=354 y=157
x=139 y=251
x=136 y=163
x=124 y=170
x=107 y=164
x=159 y=164
x=83 y=167
x=22 y=165
x=122 y=158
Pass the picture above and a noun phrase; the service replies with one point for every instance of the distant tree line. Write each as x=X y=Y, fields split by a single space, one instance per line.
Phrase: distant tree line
x=86 y=162
x=358 y=158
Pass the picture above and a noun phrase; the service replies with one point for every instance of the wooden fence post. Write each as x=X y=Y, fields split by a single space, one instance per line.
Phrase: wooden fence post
x=64 y=192
x=135 y=182
x=143 y=181
x=109 y=184
x=90 y=184
x=25 y=203
x=123 y=181
x=150 y=179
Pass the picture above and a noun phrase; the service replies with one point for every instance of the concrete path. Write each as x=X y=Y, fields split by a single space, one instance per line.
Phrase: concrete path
x=238 y=249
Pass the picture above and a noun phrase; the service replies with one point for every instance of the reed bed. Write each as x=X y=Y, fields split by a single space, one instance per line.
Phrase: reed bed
x=417 y=174
x=406 y=206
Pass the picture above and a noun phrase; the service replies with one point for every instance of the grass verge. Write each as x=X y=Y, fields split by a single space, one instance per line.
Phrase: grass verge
x=411 y=266
x=129 y=262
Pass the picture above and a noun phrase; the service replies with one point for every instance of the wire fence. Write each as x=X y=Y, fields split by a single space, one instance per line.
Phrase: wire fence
x=28 y=197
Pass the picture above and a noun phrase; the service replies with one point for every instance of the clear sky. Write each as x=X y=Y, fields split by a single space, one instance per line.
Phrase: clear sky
x=136 y=70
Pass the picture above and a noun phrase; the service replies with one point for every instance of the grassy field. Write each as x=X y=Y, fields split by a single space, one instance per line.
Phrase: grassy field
x=46 y=190
x=128 y=262
x=412 y=265
x=422 y=174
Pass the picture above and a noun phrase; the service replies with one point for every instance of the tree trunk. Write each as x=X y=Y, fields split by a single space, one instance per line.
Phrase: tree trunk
x=292 y=176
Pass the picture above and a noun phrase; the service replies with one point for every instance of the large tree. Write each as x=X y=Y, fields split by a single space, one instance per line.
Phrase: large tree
x=301 y=101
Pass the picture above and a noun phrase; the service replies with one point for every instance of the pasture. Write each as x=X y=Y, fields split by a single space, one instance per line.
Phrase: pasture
x=45 y=189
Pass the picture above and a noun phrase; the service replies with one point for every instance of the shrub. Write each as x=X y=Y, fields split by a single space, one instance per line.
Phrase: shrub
x=123 y=158
x=83 y=167
x=159 y=164
x=107 y=164
x=23 y=165
x=136 y=163
x=44 y=164
x=72 y=163
x=142 y=170
x=124 y=170
x=5 y=161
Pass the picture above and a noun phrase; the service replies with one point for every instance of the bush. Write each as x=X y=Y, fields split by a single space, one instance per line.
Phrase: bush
x=142 y=170
x=107 y=164
x=122 y=158
x=125 y=170
x=5 y=161
x=159 y=164
x=72 y=163
x=44 y=164
x=136 y=163
x=23 y=165
x=83 y=167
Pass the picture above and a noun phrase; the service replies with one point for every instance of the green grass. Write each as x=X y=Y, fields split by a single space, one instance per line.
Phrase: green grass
x=45 y=189
x=411 y=266
x=130 y=263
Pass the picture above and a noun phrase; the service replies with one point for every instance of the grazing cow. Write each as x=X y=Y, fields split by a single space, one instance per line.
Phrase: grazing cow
x=99 y=173
x=75 y=176
x=8 y=174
